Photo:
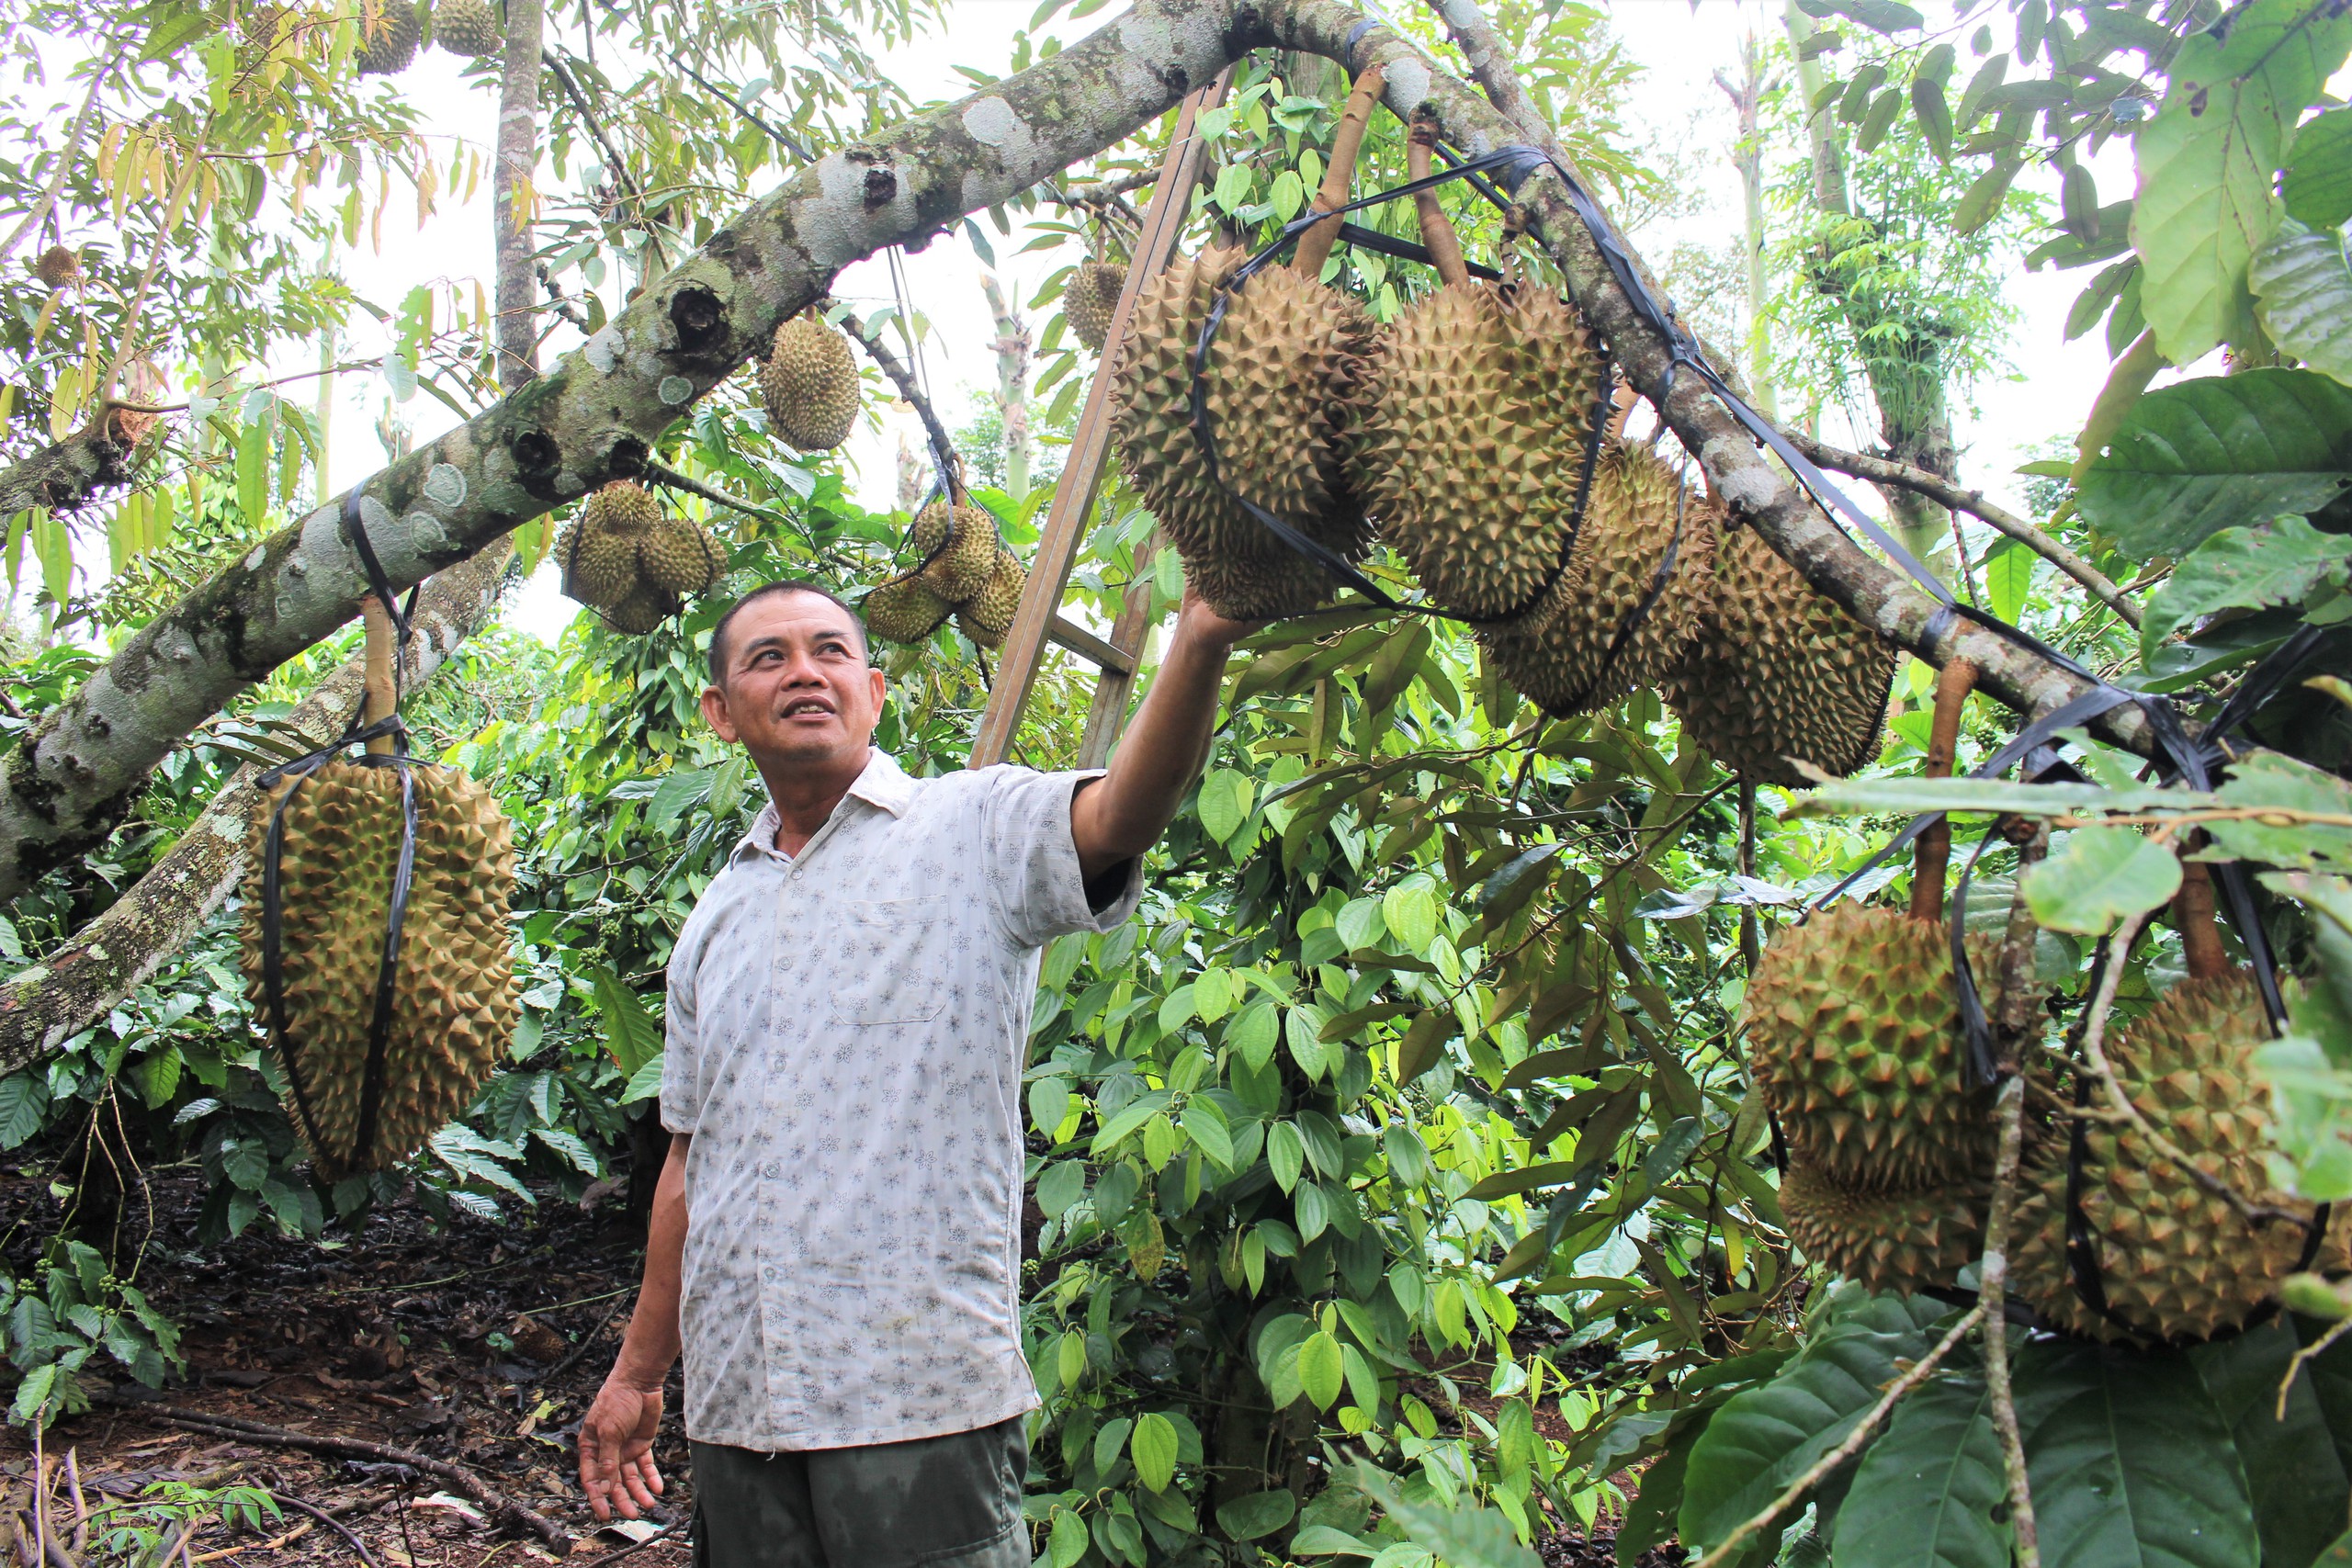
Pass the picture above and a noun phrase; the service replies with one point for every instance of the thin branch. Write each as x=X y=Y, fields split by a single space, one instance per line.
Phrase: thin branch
x=1104 y=193
x=942 y=449
x=357 y=1545
x=1944 y=491
x=69 y=158
x=732 y=102
x=1921 y=1370
x=612 y=153
x=1991 y=1304
x=662 y=473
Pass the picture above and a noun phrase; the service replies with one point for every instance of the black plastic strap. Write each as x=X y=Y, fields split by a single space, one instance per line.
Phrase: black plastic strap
x=1365 y=238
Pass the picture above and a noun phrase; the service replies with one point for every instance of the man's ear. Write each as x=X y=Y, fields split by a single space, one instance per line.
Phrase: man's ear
x=880 y=688
x=714 y=712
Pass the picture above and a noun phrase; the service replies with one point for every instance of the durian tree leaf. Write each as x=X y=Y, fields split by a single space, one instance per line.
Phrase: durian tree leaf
x=1467 y=1536
x=1870 y=797
x=1926 y=1491
x=1763 y=1439
x=2317 y=187
x=2277 y=563
x=2131 y=1463
x=2302 y=291
x=2309 y=811
x=2311 y=1127
x=2300 y=1491
x=2096 y=877
x=2216 y=452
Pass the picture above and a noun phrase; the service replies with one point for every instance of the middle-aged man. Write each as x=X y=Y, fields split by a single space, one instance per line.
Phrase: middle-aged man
x=835 y=1236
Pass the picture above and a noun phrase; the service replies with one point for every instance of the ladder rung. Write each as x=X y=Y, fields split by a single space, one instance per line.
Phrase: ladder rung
x=1069 y=633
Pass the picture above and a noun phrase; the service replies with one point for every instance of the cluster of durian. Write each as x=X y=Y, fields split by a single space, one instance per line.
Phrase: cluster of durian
x=1854 y=1039
x=455 y=992
x=809 y=383
x=965 y=573
x=391 y=31
x=635 y=563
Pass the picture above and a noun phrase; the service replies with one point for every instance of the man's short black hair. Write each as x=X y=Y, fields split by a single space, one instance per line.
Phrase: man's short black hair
x=771 y=590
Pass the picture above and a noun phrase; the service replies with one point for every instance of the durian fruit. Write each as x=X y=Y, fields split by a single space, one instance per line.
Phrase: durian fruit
x=1854 y=1038
x=679 y=556
x=1776 y=669
x=1469 y=460
x=1287 y=381
x=958 y=545
x=389 y=34
x=1618 y=619
x=466 y=27
x=454 y=999
x=903 y=609
x=1904 y=1241
x=598 y=552
x=2177 y=1261
x=644 y=608
x=1089 y=298
x=58 y=266
x=989 y=615
x=810 y=384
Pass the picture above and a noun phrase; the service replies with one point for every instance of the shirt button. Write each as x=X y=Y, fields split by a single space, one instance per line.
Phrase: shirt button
x=795 y=877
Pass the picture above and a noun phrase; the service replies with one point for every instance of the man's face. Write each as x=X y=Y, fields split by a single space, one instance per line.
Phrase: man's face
x=798 y=689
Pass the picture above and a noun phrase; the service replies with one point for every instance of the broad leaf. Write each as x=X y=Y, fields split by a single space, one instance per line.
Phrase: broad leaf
x=1463 y=1537
x=2317 y=189
x=2131 y=1463
x=2281 y=784
x=1153 y=1448
x=630 y=1033
x=2302 y=291
x=1258 y=1514
x=2098 y=875
x=2216 y=452
x=1926 y=1491
x=2271 y=563
x=2300 y=1492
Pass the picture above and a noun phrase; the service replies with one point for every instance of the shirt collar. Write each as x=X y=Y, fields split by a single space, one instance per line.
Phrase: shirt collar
x=882 y=783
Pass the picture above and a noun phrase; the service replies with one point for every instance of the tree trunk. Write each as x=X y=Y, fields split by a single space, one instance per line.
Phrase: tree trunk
x=1746 y=98
x=514 y=195
x=1013 y=347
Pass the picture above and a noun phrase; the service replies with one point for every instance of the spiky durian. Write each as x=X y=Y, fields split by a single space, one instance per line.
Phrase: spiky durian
x=958 y=546
x=1775 y=669
x=1618 y=619
x=810 y=384
x=989 y=615
x=466 y=27
x=389 y=34
x=1468 y=461
x=681 y=556
x=642 y=609
x=1089 y=298
x=1285 y=382
x=1854 y=1037
x=454 y=997
x=903 y=609
x=2177 y=1261
x=1890 y=1241
x=620 y=507
x=58 y=266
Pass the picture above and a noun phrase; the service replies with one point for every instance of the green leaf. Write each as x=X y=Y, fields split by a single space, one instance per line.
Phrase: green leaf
x=1049 y=1103
x=24 y=1100
x=1153 y=1448
x=2096 y=877
x=1409 y=910
x=1068 y=1540
x=1207 y=1127
x=1463 y=1537
x=2299 y=1486
x=2302 y=291
x=2273 y=563
x=630 y=1033
x=2216 y=452
x=1982 y=199
x=2268 y=779
x=2130 y=1460
x=1224 y=803
x=645 y=1083
x=1327 y=1540
x=1257 y=1514
x=2008 y=578
x=1285 y=1154
x=1322 y=1370
x=1928 y=1489
x=2318 y=186
x=1062 y=1184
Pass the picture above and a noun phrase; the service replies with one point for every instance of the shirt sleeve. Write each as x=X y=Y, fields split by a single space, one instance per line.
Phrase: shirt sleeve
x=1033 y=858
x=680 y=1061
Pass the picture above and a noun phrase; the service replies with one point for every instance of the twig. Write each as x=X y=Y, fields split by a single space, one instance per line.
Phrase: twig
x=506 y=1509
x=620 y=164
x=1936 y=487
x=942 y=449
x=81 y=1503
x=732 y=102
x=1921 y=1370
x=1991 y=1302
x=664 y=474
x=332 y=1523
x=69 y=157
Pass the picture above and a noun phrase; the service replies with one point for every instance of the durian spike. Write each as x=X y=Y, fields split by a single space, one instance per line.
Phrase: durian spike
x=1621 y=408
x=381 y=683
x=1445 y=250
x=2192 y=912
x=1932 y=853
x=1338 y=175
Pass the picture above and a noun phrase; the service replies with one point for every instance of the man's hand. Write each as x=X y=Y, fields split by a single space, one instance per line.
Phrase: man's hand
x=617 y=1449
x=1195 y=620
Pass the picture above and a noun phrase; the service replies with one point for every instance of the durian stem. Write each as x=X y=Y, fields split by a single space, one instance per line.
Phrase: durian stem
x=1338 y=175
x=1991 y=1302
x=2013 y=1014
x=382 y=684
x=1920 y=1370
x=1931 y=853
x=1445 y=247
x=1751 y=937
x=2192 y=912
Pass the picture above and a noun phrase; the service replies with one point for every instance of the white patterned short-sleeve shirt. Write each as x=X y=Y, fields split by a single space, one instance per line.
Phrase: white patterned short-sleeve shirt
x=845 y=1038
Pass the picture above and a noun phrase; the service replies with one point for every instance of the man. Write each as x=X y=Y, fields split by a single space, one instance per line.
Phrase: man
x=835 y=1235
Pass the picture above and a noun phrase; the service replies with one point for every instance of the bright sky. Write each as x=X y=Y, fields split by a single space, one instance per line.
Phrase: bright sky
x=1679 y=45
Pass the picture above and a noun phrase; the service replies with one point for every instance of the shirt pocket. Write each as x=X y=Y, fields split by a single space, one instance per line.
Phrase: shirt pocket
x=894 y=969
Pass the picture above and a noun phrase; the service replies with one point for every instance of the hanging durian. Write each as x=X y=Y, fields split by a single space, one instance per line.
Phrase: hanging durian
x=1906 y=1241
x=1089 y=298
x=1636 y=582
x=1468 y=461
x=454 y=994
x=680 y=555
x=389 y=34
x=903 y=609
x=466 y=27
x=810 y=384
x=58 y=266
x=989 y=615
x=644 y=608
x=1776 y=669
x=958 y=545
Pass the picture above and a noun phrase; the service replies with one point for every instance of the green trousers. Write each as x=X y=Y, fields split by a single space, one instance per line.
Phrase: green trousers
x=952 y=1502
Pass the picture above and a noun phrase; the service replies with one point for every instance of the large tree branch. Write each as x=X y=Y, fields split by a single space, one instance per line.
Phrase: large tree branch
x=597 y=415
x=66 y=474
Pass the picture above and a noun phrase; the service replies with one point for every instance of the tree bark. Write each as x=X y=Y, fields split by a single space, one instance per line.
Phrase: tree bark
x=595 y=416
x=116 y=953
x=1013 y=345
x=513 y=195
x=64 y=475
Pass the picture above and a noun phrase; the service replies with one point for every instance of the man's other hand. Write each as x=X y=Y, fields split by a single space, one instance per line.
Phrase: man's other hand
x=616 y=1450
x=1195 y=617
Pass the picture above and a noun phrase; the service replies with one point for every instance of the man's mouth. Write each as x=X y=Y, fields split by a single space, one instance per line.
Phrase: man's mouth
x=807 y=706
